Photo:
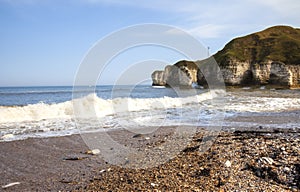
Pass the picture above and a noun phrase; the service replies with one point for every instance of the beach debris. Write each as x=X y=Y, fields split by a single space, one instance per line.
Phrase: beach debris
x=93 y=152
x=147 y=138
x=266 y=160
x=74 y=158
x=137 y=135
x=102 y=171
x=66 y=181
x=10 y=185
x=191 y=149
x=227 y=163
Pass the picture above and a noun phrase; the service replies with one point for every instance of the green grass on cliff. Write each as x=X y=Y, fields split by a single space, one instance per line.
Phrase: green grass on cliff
x=279 y=43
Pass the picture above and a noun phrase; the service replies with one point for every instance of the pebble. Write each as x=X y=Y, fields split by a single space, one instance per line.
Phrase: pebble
x=93 y=152
x=294 y=189
x=228 y=163
x=249 y=161
x=153 y=184
x=267 y=160
x=286 y=169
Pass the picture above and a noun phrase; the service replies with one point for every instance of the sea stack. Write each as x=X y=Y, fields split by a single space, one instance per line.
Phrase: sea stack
x=182 y=73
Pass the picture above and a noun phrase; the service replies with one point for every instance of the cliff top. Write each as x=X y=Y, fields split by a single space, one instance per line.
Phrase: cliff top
x=278 y=43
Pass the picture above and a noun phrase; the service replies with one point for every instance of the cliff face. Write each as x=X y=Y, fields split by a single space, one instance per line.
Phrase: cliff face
x=183 y=74
x=279 y=43
x=271 y=56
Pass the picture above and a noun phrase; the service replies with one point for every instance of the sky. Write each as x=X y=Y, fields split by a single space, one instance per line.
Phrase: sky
x=43 y=42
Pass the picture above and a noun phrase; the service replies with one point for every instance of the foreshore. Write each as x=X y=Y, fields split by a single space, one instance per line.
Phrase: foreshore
x=241 y=159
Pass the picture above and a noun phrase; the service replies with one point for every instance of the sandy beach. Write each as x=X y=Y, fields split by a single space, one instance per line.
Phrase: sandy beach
x=254 y=159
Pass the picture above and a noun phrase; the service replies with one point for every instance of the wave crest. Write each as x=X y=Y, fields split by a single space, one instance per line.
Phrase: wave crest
x=92 y=106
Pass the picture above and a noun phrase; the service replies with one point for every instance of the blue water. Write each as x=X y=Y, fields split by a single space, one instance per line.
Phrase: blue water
x=21 y=96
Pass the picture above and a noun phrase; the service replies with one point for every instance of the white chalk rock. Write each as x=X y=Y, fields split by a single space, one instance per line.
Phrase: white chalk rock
x=227 y=163
x=93 y=152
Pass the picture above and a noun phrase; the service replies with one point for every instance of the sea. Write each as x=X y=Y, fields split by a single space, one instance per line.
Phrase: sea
x=48 y=111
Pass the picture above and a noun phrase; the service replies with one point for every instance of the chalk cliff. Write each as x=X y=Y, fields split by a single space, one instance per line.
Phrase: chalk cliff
x=271 y=56
x=182 y=73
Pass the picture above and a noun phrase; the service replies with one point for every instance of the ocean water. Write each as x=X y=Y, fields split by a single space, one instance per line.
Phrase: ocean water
x=57 y=111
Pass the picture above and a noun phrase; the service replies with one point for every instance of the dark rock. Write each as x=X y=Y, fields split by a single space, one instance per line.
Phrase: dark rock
x=137 y=135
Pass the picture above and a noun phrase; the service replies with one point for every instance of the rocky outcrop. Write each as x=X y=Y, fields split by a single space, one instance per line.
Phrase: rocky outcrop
x=245 y=73
x=295 y=77
x=271 y=56
x=158 y=78
x=183 y=74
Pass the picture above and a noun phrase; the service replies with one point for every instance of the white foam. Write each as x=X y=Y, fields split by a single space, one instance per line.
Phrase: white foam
x=262 y=104
x=93 y=112
x=91 y=106
x=35 y=112
x=158 y=87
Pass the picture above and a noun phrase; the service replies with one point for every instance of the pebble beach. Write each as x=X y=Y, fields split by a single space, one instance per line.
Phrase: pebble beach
x=239 y=160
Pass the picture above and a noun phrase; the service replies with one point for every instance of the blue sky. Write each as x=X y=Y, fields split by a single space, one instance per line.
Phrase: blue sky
x=44 y=41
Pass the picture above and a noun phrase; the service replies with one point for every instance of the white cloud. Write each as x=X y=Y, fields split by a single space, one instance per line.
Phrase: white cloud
x=284 y=7
x=210 y=19
x=175 y=31
x=207 y=31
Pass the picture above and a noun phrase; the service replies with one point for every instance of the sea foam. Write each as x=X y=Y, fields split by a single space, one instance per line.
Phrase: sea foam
x=92 y=106
x=92 y=113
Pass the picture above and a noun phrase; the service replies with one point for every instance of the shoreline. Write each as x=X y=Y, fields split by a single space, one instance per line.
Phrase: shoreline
x=50 y=164
x=247 y=120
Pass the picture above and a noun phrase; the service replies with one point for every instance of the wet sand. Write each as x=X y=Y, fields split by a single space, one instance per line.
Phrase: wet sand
x=253 y=159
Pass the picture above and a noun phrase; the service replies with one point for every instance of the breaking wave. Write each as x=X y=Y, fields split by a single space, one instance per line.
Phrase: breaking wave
x=92 y=106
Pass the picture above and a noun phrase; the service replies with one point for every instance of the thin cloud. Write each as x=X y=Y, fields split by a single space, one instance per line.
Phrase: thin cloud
x=211 y=19
x=285 y=8
x=207 y=31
